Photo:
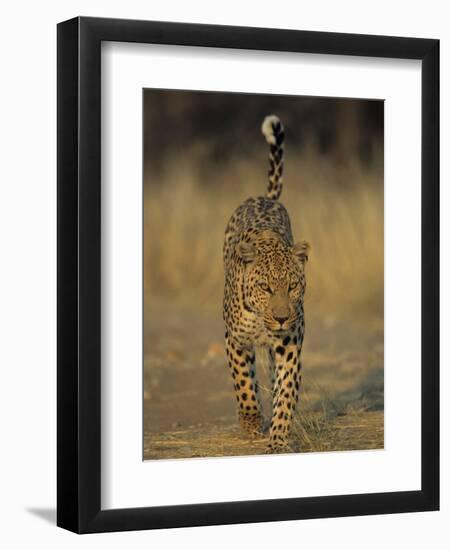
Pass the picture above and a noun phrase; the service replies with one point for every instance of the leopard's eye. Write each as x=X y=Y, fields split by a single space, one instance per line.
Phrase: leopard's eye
x=264 y=286
x=293 y=284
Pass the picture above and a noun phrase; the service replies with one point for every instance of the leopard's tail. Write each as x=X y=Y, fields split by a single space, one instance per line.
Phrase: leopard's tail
x=274 y=133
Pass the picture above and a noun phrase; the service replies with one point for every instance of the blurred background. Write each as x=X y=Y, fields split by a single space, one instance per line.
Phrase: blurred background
x=203 y=155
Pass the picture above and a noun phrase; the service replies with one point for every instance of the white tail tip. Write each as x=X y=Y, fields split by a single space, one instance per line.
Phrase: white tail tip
x=267 y=128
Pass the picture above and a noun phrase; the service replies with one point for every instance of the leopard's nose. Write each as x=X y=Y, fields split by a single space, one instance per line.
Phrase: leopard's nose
x=281 y=320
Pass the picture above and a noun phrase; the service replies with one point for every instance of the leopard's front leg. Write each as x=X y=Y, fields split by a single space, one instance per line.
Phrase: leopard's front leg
x=286 y=357
x=242 y=366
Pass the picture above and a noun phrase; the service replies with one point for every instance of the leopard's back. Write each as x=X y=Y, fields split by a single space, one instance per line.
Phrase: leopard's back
x=252 y=217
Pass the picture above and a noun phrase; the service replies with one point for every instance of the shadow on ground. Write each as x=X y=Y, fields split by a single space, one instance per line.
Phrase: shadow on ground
x=46 y=514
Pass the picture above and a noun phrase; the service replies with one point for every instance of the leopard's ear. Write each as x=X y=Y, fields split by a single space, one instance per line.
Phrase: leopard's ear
x=246 y=251
x=301 y=250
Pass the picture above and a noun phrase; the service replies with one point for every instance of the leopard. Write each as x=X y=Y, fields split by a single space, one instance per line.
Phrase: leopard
x=263 y=303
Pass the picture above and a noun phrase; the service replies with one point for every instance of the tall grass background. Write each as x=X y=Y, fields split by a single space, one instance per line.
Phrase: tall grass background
x=337 y=207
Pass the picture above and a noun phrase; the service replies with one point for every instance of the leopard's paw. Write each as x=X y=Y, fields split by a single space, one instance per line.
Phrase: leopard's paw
x=252 y=424
x=278 y=447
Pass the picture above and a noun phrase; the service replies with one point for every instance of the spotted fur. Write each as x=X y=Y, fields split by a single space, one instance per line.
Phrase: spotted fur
x=273 y=131
x=263 y=301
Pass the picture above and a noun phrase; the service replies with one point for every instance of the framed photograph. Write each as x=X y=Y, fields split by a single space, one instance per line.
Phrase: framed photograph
x=248 y=275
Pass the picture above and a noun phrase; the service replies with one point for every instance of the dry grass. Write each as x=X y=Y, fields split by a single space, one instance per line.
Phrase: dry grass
x=347 y=433
x=312 y=432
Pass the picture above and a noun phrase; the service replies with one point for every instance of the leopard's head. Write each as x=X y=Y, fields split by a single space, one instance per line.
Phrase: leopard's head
x=274 y=279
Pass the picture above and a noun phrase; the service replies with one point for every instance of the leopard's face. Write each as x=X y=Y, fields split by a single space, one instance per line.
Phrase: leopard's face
x=274 y=283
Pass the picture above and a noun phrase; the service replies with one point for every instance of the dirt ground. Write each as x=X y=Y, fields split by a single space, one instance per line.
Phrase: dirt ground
x=189 y=404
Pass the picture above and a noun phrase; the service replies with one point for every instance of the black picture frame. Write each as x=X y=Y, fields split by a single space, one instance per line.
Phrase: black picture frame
x=79 y=280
